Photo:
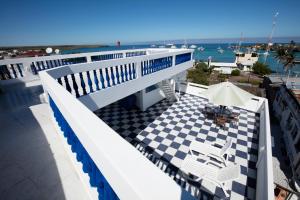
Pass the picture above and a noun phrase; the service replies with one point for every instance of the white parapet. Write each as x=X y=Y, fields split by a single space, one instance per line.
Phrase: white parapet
x=130 y=174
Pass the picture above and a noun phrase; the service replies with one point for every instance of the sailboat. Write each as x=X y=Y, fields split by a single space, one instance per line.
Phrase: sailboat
x=184 y=46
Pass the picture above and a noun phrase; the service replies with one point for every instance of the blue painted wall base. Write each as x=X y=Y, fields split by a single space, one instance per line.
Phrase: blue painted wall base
x=96 y=178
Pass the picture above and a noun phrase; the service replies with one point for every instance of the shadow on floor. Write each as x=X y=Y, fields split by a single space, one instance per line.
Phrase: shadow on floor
x=28 y=167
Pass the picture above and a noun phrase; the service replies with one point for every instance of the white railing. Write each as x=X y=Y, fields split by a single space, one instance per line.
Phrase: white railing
x=130 y=174
x=19 y=67
x=130 y=75
x=264 y=165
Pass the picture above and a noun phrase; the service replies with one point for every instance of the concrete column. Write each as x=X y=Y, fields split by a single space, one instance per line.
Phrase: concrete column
x=173 y=60
x=88 y=59
x=138 y=69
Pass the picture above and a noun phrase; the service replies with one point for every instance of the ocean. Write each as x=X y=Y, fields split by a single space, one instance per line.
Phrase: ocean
x=210 y=50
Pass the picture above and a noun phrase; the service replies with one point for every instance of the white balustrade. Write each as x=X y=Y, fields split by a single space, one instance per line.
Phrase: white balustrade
x=264 y=165
x=18 y=67
x=130 y=174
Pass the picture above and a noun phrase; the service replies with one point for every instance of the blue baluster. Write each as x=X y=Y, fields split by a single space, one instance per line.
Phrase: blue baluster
x=107 y=77
x=75 y=86
x=48 y=64
x=13 y=70
x=96 y=80
x=102 y=79
x=38 y=66
x=90 y=82
x=19 y=69
x=150 y=66
x=56 y=64
x=67 y=84
x=59 y=81
x=142 y=68
x=122 y=73
x=133 y=71
x=130 y=73
x=112 y=75
x=145 y=67
x=117 y=74
x=33 y=68
x=82 y=83
x=126 y=72
x=43 y=65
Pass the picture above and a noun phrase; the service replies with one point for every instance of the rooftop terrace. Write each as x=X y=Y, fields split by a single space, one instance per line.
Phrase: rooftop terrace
x=164 y=132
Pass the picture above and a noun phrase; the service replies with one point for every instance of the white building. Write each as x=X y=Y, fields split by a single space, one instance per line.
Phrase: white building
x=243 y=62
x=129 y=117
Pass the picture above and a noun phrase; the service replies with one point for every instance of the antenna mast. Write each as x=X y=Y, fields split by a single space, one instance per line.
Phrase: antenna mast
x=271 y=36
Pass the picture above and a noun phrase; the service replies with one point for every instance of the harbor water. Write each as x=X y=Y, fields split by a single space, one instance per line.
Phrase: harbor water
x=210 y=50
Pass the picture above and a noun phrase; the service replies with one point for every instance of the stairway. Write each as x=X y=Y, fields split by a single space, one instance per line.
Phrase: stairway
x=168 y=90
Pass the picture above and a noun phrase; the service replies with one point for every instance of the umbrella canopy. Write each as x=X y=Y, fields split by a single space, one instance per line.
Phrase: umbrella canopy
x=227 y=94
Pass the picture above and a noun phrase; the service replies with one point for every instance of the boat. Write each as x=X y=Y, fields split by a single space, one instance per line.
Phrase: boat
x=193 y=46
x=162 y=46
x=184 y=46
x=201 y=48
x=221 y=51
x=153 y=45
x=173 y=47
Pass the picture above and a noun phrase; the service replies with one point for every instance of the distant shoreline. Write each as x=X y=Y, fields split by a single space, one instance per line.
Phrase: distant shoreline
x=60 y=47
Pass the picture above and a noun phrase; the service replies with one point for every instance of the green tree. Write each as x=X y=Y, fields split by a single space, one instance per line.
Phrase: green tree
x=286 y=55
x=235 y=72
x=199 y=74
x=261 y=69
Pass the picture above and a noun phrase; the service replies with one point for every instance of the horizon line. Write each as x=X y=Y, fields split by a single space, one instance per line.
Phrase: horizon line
x=222 y=40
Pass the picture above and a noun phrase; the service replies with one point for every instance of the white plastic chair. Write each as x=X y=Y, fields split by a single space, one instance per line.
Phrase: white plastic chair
x=213 y=174
x=210 y=150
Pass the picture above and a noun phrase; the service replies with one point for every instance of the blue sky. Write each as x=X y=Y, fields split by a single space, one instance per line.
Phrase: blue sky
x=36 y=22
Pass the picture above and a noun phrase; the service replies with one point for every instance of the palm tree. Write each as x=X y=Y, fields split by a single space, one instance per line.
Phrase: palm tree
x=286 y=56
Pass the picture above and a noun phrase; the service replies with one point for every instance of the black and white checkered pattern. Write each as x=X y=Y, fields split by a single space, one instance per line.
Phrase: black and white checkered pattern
x=165 y=131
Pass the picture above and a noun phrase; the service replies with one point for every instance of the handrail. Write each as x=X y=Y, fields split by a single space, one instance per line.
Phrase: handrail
x=265 y=180
x=19 y=67
x=76 y=68
x=129 y=173
x=75 y=55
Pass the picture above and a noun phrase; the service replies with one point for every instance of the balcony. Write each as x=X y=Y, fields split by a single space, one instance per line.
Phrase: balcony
x=136 y=153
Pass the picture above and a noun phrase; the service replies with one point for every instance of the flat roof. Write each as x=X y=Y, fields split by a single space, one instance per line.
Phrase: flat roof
x=164 y=132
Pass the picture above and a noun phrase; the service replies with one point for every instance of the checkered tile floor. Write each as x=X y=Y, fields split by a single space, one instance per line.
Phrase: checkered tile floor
x=164 y=132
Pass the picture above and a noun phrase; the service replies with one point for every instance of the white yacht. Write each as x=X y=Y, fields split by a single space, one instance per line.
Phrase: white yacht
x=201 y=48
x=220 y=50
x=193 y=46
x=184 y=46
